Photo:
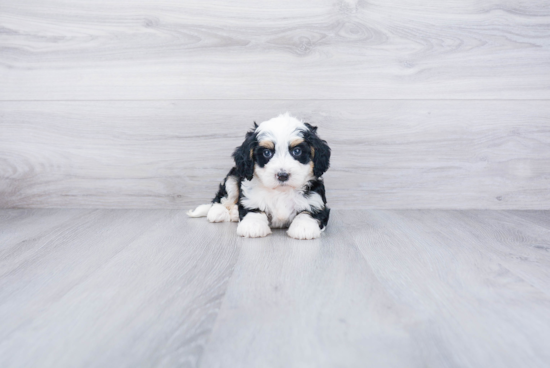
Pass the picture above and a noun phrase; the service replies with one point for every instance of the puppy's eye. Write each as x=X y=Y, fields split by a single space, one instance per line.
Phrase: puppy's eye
x=267 y=153
x=297 y=151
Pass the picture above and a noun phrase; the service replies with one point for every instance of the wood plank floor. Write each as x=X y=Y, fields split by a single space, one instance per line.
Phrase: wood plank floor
x=381 y=288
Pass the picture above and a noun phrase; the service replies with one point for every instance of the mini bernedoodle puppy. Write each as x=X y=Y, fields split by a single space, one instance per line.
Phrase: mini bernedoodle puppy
x=276 y=182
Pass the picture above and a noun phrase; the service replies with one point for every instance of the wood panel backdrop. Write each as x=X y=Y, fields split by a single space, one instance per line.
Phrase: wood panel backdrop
x=139 y=104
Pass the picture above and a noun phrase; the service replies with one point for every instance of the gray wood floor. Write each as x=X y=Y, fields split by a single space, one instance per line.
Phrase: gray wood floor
x=381 y=288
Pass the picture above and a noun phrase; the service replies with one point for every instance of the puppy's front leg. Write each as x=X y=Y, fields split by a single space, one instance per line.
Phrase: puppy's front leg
x=304 y=227
x=254 y=225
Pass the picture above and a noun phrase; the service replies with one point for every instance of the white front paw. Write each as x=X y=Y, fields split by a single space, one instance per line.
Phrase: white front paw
x=218 y=213
x=254 y=225
x=304 y=227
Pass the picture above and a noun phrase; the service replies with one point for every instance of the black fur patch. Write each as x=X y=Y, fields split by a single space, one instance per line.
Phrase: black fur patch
x=321 y=158
x=244 y=211
x=321 y=215
x=222 y=191
x=259 y=155
x=220 y=194
x=316 y=186
x=305 y=157
x=244 y=160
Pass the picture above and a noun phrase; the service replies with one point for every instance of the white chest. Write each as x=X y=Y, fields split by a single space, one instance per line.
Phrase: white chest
x=281 y=205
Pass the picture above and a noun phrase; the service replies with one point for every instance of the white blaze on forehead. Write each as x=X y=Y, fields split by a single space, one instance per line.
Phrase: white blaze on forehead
x=281 y=130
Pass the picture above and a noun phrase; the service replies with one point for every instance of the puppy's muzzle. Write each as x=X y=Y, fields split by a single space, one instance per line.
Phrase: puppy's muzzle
x=283 y=176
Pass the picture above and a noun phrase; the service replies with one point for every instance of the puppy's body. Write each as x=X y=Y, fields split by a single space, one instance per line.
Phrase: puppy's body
x=276 y=182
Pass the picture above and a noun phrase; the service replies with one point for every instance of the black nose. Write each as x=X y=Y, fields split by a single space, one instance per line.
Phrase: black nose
x=283 y=176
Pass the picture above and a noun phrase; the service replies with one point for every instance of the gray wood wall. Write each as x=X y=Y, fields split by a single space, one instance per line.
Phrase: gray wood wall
x=426 y=104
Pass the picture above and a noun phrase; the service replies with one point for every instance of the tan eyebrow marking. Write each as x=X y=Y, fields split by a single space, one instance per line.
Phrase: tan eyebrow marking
x=312 y=152
x=267 y=144
x=295 y=142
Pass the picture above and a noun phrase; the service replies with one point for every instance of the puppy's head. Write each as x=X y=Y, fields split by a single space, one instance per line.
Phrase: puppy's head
x=282 y=152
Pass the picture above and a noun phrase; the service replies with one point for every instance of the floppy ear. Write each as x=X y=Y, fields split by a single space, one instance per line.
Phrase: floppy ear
x=243 y=156
x=320 y=152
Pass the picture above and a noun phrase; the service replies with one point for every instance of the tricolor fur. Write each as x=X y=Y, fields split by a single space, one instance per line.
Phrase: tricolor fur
x=276 y=182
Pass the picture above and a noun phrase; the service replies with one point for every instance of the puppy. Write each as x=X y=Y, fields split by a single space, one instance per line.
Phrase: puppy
x=276 y=182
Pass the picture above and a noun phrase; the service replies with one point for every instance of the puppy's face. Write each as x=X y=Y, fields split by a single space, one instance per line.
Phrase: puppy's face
x=282 y=153
x=283 y=160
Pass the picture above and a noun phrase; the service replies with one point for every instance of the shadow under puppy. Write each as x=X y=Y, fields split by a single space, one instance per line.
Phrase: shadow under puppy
x=276 y=182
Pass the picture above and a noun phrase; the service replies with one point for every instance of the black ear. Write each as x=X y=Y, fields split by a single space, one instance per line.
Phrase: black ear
x=320 y=152
x=243 y=156
x=312 y=128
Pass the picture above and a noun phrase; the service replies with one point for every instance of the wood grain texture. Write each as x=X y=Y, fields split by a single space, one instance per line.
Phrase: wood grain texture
x=312 y=304
x=384 y=288
x=109 y=287
x=459 y=290
x=541 y=218
x=90 y=50
x=172 y=154
x=522 y=247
